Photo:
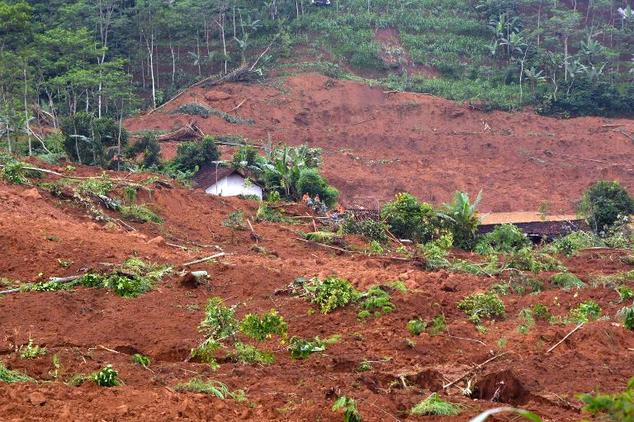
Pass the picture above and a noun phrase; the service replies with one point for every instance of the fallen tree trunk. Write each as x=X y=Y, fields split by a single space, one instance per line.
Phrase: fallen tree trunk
x=189 y=132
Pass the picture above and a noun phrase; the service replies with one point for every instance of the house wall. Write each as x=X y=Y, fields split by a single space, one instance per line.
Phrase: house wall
x=234 y=185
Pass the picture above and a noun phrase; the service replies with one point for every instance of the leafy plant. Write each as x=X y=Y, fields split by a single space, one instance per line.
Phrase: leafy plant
x=140 y=213
x=349 y=408
x=312 y=183
x=266 y=213
x=206 y=352
x=603 y=203
x=371 y=230
x=569 y=245
x=263 y=327
x=627 y=315
x=10 y=376
x=330 y=293
x=530 y=416
x=14 y=172
x=615 y=407
x=141 y=360
x=541 y=312
x=246 y=353
x=434 y=405
x=31 y=350
x=435 y=252
x=526 y=259
x=375 y=301
x=480 y=306
x=301 y=348
x=567 y=281
x=219 y=322
x=191 y=156
x=505 y=238
x=106 y=377
x=625 y=293
x=216 y=388
x=235 y=221
x=408 y=218
x=438 y=325
x=462 y=219
x=416 y=326
x=586 y=311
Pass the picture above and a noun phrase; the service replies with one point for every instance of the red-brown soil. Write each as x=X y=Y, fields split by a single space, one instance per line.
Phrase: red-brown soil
x=89 y=328
x=377 y=143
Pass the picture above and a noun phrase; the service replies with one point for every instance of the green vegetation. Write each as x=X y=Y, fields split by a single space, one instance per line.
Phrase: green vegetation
x=569 y=245
x=626 y=314
x=349 y=408
x=191 y=156
x=31 y=350
x=10 y=376
x=196 y=109
x=215 y=388
x=505 y=238
x=141 y=360
x=613 y=407
x=301 y=348
x=461 y=218
x=479 y=306
x=435 y=406
x=416 y=326
x=375 y=301
x=140 y=214
x=107 y=377
x=219 y=322
x=133 y=278
x=567 y=281
x=585 y=312
x=246 y=353
x=235 y=221
x=408 y=218
x=330 y=293
x=438 y=325
x=371 y=230
x=265 y=326
x=604 y=203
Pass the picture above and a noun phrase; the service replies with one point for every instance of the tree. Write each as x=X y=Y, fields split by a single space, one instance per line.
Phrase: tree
x=604 y=203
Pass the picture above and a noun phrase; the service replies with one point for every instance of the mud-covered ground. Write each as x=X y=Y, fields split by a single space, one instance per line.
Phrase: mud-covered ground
x=89 y=328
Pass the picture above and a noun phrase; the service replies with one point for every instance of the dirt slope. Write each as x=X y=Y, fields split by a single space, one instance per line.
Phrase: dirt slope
x=89 y=328
x=377 y=143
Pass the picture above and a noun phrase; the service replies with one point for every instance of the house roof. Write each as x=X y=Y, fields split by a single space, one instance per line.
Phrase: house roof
x=209 y=174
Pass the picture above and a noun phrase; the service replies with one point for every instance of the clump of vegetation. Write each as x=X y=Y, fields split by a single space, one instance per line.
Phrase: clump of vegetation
x=265 y=326
x=100 y=186
x=219 y=322
x=616 y=407
x=519 y=283
x=371 y=230
x=604 y=203
x=10 y=376
x=141 y=360
x=322 y=237
x=191 y=156
x=435 y=406
x=375 y=301
x=14 y=172
x=349 y=408
x=461 y=218
x=215 y=388
x=140 y=213
x=314 y=184
x=625 y=293
x=613 y=280
x=408 y=218
x=205 y=352
x=528 y=321
x=541 y=312
x=479 y=306
x=435 y=252
x=149 y=146
x=301 y=348
x=196 y=109
x=585 y=312
x=106 y=377
x=266 y=213
x=505 y=238
x=330 y=293
x=438 y=325
x=416 y=326
x=526 y=259
x=31 y=350
x=235 y=221
x=569 y=245
x=246 y=353
x=567 y=281
x=626 y=314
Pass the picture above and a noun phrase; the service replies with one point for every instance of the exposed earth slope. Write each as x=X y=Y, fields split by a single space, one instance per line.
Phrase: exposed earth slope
x=378 y=143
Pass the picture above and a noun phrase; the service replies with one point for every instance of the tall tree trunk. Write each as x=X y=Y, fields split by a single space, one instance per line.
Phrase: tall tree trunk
x=173 y=62
x=566 y=58
x=26 y=111
x=221 y=25
x=149 y=43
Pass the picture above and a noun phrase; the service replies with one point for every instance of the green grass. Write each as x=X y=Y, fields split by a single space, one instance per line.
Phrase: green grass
x=435 y=406
x=10 y=376
x=212 y=387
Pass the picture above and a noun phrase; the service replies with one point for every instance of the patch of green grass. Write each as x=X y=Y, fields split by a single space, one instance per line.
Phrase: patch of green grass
x=435 y=406
x=31 y=350
x=141 y=360
x=585 y=312
x=10 y=376
x=140 y=213
x=613 y=280
x=479 y=306
x=215 y=388
x=100 y=186
x=265 y=326
x=246 y=353
x=567 y=281
x=438 y=325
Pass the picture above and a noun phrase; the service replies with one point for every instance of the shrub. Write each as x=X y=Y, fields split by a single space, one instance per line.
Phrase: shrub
x=89 y=140
x=331 y=293
x=627 y=315
x=264 y=327
x=408 y=218
x=371 y=230
x=247 y=157
x=235 y=221
x=219 y=322
x=106 y=377
x=616 y=407
x=528 y=260
x=141 y=360
x=603 y=203
x=416 y=326
x=567 y=281
x=14 y=172
x=31 y=351
x=438 y=325
x=191 y=156
x=206 y=352
x=301 y=348
x=349 y=407
x=625 y=293
x=480 y=306
x=375 y=301
x=215 y=388
x=569 y=245
x=435 y=252
x=140 y=213
x=541 y=312
x=149 y=146
x=585 y=312
x=246 y=353
x=462 y=219
x=435 y=406
x=266 y=213
x=505 y=238
x=312 y=183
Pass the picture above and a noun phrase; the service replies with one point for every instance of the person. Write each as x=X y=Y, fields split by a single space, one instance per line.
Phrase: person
x=305 y=198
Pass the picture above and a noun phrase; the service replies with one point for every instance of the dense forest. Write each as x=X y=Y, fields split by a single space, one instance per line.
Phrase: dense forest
x=110 y=58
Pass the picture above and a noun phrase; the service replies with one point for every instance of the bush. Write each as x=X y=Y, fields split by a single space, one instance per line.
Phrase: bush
x=261 y=328
x=569 y=245
x=246 y=353
x=301 y=348
x=150 y=147
x=219 y=322
x=589 y=99
x=375 y=301
x=586 y=311
x=416 y=326
x=331 y=293
x=9 y=376
x=371 y=230
x=505 y=238
x=528 y=260
x=408 y=218
x=616 y=407
x=312 y=183
x=567 y=281
x=107 y=377
x=462 y=220
x=435 y=406
x=140 y=214
x=92 y=141
x=191 y=156
x=480 y=306
x=603 y=203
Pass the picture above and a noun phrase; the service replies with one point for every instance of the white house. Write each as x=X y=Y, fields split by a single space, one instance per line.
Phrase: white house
x=224 y=181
